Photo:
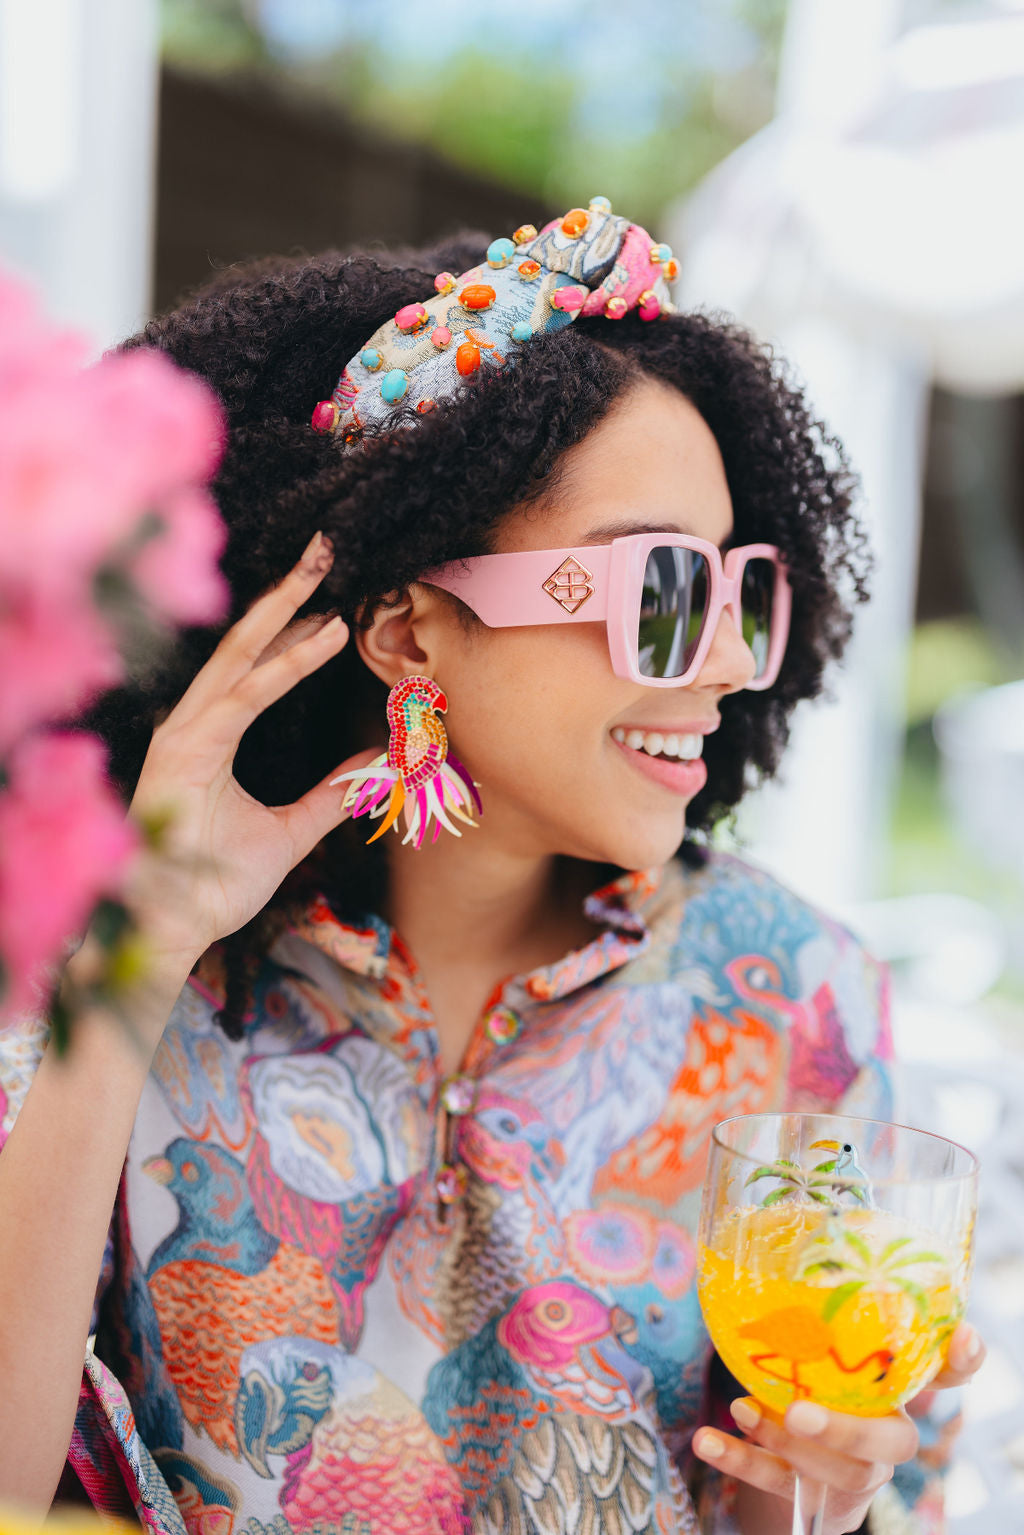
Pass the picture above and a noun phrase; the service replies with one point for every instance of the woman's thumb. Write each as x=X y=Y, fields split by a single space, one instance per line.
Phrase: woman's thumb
x=320 y=808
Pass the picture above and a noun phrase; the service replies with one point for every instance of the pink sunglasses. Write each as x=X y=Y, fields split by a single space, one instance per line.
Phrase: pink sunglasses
x=660 y=595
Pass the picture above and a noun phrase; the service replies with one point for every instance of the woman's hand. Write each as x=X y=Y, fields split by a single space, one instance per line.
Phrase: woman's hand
x=851 y=1457
x=226 y=853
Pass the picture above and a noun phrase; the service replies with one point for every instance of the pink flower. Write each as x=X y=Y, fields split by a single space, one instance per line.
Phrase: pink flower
x=166 y=423
x=176 y=572
x=87 y=453
x=33 y=349
x=54 y=658
x=549 y=1322
x=64 y=843
x=102 y=469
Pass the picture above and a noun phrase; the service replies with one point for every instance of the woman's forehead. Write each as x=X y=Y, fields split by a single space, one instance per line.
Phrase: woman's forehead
x=650 y=465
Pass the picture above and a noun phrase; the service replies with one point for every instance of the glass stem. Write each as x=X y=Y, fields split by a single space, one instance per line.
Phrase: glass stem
x=808 y=1506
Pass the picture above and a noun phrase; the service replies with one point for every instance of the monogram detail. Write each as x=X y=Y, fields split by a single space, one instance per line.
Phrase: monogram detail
x=570 y=585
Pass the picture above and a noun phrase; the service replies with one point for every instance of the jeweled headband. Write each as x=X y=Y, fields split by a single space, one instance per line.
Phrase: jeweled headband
x=588 y=263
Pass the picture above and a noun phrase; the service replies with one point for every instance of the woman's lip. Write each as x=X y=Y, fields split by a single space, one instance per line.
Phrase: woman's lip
x=683 y=778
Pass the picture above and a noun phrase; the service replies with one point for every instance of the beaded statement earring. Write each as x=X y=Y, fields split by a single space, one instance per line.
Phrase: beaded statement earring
x=417 y=774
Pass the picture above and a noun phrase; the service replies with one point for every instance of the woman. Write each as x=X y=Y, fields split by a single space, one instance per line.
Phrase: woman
x=407 y=1140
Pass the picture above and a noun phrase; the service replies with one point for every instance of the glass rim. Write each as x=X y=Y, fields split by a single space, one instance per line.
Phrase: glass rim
x=940 y=1179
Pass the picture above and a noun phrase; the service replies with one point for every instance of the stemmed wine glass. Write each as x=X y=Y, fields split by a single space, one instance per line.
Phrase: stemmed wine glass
x=834 y=1262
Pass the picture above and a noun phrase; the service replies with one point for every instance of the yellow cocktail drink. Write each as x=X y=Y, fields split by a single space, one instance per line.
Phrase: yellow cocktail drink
x=851 y=1309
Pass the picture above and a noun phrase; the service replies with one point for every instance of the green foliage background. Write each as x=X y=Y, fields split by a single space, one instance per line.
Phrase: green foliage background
x=525 y=117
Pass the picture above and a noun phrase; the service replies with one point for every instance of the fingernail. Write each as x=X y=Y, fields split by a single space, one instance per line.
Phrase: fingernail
x=806 y=1418
x=746 y=1413
x=318 y=556
x=711 y=1447
x=970 y=1345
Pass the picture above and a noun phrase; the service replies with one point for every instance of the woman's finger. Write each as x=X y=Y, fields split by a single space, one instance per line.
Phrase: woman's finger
x=964 y=1359
x=747 y=1462
x=299 y=629
x=855 y=1471
x=247 y=641
x=892 y=1438
x=319 y=810
x=262 y=686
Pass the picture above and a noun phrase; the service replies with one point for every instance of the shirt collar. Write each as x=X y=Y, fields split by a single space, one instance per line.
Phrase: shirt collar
x=626 y=910
x=363 y=947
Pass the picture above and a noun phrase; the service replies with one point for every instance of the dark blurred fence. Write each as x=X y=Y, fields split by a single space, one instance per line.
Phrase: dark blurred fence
x=244 y=171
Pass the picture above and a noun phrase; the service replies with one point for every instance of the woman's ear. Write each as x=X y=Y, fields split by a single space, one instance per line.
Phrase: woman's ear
x=400 y=639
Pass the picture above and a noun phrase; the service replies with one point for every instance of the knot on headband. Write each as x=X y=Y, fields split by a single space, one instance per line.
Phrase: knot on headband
x=589 y=263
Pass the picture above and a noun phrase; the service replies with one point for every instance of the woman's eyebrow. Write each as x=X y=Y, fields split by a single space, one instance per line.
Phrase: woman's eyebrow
x=627 y=526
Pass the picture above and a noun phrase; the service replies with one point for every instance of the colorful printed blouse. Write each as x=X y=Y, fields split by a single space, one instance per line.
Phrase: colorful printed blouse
x=346 y=1297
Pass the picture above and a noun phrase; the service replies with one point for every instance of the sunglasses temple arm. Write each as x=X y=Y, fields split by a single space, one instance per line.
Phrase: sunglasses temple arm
x=536 y=586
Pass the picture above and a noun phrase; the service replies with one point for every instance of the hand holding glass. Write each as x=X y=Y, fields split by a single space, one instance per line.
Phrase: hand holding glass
x=835 y=1257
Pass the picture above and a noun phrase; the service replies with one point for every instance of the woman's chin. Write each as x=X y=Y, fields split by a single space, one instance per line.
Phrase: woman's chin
x=645 y=847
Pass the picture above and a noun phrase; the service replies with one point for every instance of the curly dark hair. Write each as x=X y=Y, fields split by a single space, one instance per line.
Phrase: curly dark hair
x=271 y=337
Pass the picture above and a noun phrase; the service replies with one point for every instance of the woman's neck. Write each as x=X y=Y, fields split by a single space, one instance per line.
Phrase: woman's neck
x=472 y=917
x=454 y=896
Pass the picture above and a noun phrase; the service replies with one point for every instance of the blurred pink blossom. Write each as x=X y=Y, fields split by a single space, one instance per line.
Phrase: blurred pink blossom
x=52 y=656
x=85 y=452
x=103 y=473
x=83 y=464
x=178 y=576
x=101 y=467
x=65 y=843
x=33 y=349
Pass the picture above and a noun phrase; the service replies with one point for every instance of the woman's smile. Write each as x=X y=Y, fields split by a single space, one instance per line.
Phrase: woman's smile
x=682 y=777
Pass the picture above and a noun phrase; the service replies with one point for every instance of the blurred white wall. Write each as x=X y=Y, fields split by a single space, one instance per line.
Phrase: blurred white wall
x=78 y=97
x=873 y=233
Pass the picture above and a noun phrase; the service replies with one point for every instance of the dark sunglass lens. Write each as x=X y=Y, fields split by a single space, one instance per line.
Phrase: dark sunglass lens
x=757 y=596
x=672 y=611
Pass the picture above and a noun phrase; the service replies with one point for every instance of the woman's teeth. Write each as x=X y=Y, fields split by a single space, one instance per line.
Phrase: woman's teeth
x=686 y=748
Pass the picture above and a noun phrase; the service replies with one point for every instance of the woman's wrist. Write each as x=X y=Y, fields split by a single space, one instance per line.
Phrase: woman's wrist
x=159 y=972
x=161 y=899
x=138 y=1005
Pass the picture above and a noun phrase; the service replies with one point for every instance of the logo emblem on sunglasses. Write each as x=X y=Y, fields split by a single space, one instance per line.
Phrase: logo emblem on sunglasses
x=570 y=585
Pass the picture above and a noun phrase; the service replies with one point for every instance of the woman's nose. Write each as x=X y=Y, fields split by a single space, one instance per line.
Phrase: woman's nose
x=729 y=663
